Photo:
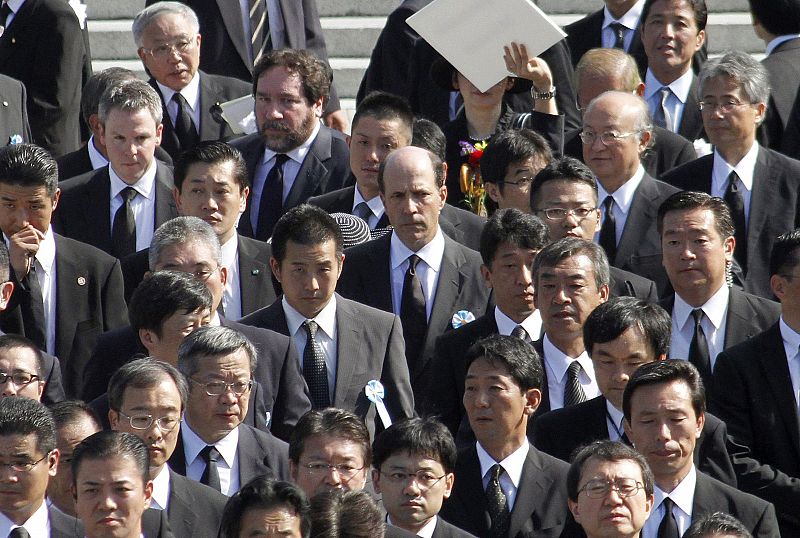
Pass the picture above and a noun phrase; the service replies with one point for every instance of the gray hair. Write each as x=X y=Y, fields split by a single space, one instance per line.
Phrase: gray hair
x=744 y=69
x=182 y=230
x=212 y=342
x=567 y=247
x=641 y=122
x=144 y=373
x=130 y=96
x=148 y=14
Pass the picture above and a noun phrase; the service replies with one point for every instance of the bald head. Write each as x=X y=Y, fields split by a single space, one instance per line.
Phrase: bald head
x=602 y=70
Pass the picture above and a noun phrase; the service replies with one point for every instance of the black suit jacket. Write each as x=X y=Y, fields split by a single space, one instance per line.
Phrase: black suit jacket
x=194 y=509
x=78 y=162
x=369 y=346
x=366 y=278
x=43 y=48
x=540 y=508
x=63 y=525
x=155 y=524
x=691 y=126
x=14 y=124
x=214 y=89
x=89 y=301
x=83 y=212
x=774 y=207
x=325 y=168
x=444 y=529
x=783 y=66
x=259 y=453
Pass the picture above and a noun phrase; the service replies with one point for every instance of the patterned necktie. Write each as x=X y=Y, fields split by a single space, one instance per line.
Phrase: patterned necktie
x=413 y=314
x=33 y=317
x=271 y=206
x=608 y=231
x=315 y=371
x=259 y=29
x=19 y=532
x=735 y=201
x=498 y=503
x=520 y=332
x=210 y=476
x=362 y=211
x=698 y=349
x=123 y=231
x=573 y=392
x=668 y=528
x=619 y=34
x=184 y=125
x=5 y=11
x=661 y=115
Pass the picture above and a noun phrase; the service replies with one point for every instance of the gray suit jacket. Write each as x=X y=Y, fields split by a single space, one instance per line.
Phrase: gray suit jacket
x=194 y=509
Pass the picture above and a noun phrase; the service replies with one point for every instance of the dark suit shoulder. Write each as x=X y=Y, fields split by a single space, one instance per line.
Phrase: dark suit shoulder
x=78 y=182
x=446 y=530
x=228 y=86
x=338 y=201
x=625 y=283
x=275 y=452
x=63 y=525
x=691 y=175
x=90 y=254
x=757 y=515
x=748 y=354
x=194 y=509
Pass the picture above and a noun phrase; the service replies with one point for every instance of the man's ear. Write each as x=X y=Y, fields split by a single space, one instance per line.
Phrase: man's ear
x=276 y=268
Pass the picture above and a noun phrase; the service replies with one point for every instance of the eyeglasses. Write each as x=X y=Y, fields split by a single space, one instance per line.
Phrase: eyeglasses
x=218 y=388
x=558 y=213
x=726 y=107
x=425 y=479
x=162 y=52
x=143 y=422
x=317 y=468
x=20 y=379
x=205 y=274
x=599 y=488
x=608 y=138
x=523 y=181
x=24 y=466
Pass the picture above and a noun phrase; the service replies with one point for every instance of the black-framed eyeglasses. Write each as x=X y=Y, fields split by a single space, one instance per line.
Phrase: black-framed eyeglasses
x=20 y=379
x=559 y=213
x=607 y=138
x=599 y=488
x=167 y=50
x=143 y=422
x=24 y=466
x=519 y=182
x=218 y=388
x=345 y=470
x=425 y=479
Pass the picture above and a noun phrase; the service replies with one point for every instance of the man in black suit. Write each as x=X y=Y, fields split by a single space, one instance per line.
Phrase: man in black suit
x=511 y=240
x=616 y=131
x=505 y=486
x=341 y=345
x=759 y=184
x=621 y=335
x=211 y=183
x=147 y=398
x=28 y=440
x=215 y=446
x=420 y=450
x=14 y=126
x=168 y=40
x=672 y=33
x=43 y=48
x=754 y=394
x=66 y=293
x=664 y=406
x=416 y=272
x=708 y=315
x=117 y=208
x=292 y=157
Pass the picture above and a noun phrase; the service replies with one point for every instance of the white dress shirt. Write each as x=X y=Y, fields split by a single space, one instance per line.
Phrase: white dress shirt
x=161 y=490
x=745 y=169
x=614 y=420
x=95 y=157
x=510 y=479
x=714 y=323
x=375 y=206
x=623 y=199
x=682 y=496
x=556 y=364
x=227 y=465
x=630 y=20
x=325 y=337
x=676 y=102
x=427 y=269
x=192 y=95
x=232 y=294
x=290 y=169
x=791 y=345
x=143 y=206
x=36 y=525
x=532 y=324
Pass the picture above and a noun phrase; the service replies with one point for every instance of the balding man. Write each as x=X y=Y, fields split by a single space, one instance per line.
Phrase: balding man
x=417 y=272
x=616 y=132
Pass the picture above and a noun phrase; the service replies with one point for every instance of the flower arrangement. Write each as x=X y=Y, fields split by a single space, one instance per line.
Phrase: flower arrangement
x=471 y=181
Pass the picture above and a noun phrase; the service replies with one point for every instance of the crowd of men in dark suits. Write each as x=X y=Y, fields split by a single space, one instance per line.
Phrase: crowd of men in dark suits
x=611 y=352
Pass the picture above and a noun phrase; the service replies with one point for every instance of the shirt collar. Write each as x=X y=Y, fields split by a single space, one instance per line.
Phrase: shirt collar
x=715 y=308
x=772 y=45
x=192 y=444
x=512 y=464
x=623 y=196
x=682 y=495
x=680 y=86
x=431 y=253
x=161 y=487
x=375 y=204
x=46 y=255
x=191 y=92
x=629 y=20
x=616 y=415
x=95 y=157
x=745 y=169
x=145 y=185
x=15 y=5
x=326 y=319
x=790 y=337
x=36 y=525
x=299 y=153
x=559 y=362
x=229 y=250
x=532 y=324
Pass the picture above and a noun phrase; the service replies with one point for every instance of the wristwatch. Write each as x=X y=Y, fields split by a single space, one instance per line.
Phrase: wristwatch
x=542 y=96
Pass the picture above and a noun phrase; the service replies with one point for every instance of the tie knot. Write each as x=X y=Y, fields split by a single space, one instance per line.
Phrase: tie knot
x=608 y=203
x=732 y=181
x=668 y=504
x=180 y=99
x=520 y=332
x=311 y=327
x=574 y=369
x=128 y=194
x=697 y=314
x=209 y=453
x=280 y=159
x=496 y=471
x=413 y=260
x=665 y=92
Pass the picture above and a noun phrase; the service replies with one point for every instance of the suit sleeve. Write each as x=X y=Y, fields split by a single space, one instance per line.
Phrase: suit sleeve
x=54 y=388
x=292 y=400
x=444 y=400
x=115 y=310
x=767 y=526
x=395 y=376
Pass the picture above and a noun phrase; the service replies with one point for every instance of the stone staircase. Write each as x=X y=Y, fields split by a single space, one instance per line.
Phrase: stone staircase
x=352 y=26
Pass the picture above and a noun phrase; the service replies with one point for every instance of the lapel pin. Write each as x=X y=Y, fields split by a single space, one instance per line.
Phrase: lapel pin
x=15 y=139
x=255 y=272
x=462 y=317
x=13 y=39
x=81 y=281
x=5 y=103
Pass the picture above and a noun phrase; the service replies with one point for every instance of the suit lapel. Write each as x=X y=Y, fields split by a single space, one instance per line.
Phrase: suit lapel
x=474 y=496
x=96 y=208
x=181 y=509
x=232 y=18
x=312 y=171
x=641 y=215
x=254 y=277
x=70 y=294
x=765 y=195
x=349 y=337
x=8 y=42
x=775 y=369
x=691 y=125
x=177 y=462
x=377 y=275
x=738 y=326
x=165 y=203
x=533 y=487
x=544 y=406
x=209 y=128
x=249 y=451
x=169 y=138
x=253 y=152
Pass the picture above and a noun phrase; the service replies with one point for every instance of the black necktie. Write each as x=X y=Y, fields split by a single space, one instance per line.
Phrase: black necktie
x=619 y=35
x=5 y=11
x=668 y=528
x=413 y=314
x=573 y=391
x=735 y=201
x=608 y=231
x=19 y=532
x=362 y=211
x=32 y=311
x=211 y=475
x=270 y=208
x=315 y=371
x=123 y=232
x=498 y=504
x=184 y=126
x=520 y=332
x=698 y=349
x=259 y=28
